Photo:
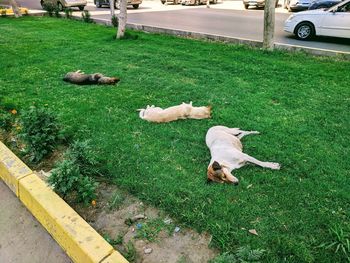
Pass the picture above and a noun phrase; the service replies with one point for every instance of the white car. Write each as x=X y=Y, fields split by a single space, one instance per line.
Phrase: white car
x=334 y=22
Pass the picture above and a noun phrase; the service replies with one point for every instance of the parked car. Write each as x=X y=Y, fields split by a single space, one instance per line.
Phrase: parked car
x=256 y=3
x=297 y=5
x=63 y=4
x=175 y=2
x=333 y=22
x=197 y=2
x=319 y=4
x=135 y=3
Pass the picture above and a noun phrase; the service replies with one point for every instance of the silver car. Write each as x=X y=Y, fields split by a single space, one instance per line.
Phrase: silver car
x=197 y=2
x=135 y=3
x=63 y=4
x=297 y=5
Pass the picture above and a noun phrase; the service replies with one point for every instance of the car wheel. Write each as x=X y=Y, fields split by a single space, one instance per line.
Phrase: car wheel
x=196 y=2
x=81 y=8
x=135 y=6
x=116 y=5
x=276 y=5
x=215 y=2
x=42 y=3
x=304 y=31
x=98 y=4
x=246 y=6
x=176 y=2
x=60 y=6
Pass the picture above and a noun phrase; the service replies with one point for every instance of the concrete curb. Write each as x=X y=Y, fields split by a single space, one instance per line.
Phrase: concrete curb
x=227 y=39
x=220 y=38
x=76 y=237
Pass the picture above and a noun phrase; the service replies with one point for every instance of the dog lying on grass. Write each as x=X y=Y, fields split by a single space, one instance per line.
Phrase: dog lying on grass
x=182 y=111
x=81 y=78
x=226 y=154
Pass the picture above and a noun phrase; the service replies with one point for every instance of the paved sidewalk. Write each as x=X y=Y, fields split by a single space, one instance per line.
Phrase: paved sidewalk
x=22 y=238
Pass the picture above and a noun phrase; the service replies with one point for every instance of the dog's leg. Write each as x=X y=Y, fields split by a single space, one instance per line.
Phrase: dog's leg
x=274 y=166
x=244 y=133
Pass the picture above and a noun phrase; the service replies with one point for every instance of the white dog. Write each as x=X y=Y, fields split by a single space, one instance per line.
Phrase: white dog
x=182 y=111
x=226 y=154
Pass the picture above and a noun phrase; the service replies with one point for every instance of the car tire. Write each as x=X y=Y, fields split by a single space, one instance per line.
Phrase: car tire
x=304 y=31
x=81 y=8
x=276 y=5
x=246 y=6
x=60 y=6
x=135 y=6
x=98 y=4
x=215 y=2
x=116 y=5
x=162 y=1
x=176 y=2
x=196 y=2
x=42 y=3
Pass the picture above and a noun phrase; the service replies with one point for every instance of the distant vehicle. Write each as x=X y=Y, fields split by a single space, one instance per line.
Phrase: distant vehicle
x=63 y=4
x=175 y=2
x=135 y=3
x=333 y=22
x=319 y=4
x=256 y=3
x=297 y=5
x=197 y=2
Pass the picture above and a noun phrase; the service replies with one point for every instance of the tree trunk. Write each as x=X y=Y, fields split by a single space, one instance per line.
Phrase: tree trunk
x=122 y=18
x=15 y=8
x=111 y=6
x=269 y=24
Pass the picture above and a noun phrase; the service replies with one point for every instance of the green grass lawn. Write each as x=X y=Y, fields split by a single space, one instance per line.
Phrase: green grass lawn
x=299 y=103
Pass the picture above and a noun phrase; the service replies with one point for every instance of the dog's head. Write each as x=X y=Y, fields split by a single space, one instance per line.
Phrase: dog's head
x=218 y=173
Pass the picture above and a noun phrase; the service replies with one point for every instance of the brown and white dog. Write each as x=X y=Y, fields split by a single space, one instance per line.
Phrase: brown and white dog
x=182 y=111
x=226 y=154
x=81 y=78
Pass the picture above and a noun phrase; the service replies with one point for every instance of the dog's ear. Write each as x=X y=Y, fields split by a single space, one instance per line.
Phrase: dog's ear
x=216 y=166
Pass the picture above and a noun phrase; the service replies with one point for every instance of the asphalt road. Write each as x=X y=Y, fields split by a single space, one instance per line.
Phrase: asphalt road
x=232 y=23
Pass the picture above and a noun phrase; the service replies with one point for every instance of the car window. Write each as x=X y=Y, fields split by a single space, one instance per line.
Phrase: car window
x=344 y=8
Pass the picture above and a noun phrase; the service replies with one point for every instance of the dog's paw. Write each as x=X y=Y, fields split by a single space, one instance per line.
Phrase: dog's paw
x=274 y=166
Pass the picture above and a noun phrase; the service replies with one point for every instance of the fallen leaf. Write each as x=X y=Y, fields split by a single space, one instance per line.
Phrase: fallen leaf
x=253 y=232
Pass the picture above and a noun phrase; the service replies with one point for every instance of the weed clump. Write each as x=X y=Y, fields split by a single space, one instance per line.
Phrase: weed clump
x=72 y=177
x=86 y=16
x=40 y=132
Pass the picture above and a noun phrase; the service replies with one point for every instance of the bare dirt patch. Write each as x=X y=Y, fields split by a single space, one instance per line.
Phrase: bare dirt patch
x=156 y=238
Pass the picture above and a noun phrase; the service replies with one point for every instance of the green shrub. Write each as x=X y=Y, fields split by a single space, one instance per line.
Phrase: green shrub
x=68 y=12
x=86 y=17
x=82 y=153
x=40 y=132
x=73 y=176
x=115 y=21
x=49 y=8
x=57 y=12
x=67 y=180
x=6 y=121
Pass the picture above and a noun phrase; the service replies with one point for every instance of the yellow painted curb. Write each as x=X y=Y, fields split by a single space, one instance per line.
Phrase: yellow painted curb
x=12 y=169
x=9 y=11
x=80 y=241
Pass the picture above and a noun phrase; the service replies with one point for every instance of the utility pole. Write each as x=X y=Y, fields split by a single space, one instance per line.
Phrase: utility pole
x=269 y=24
